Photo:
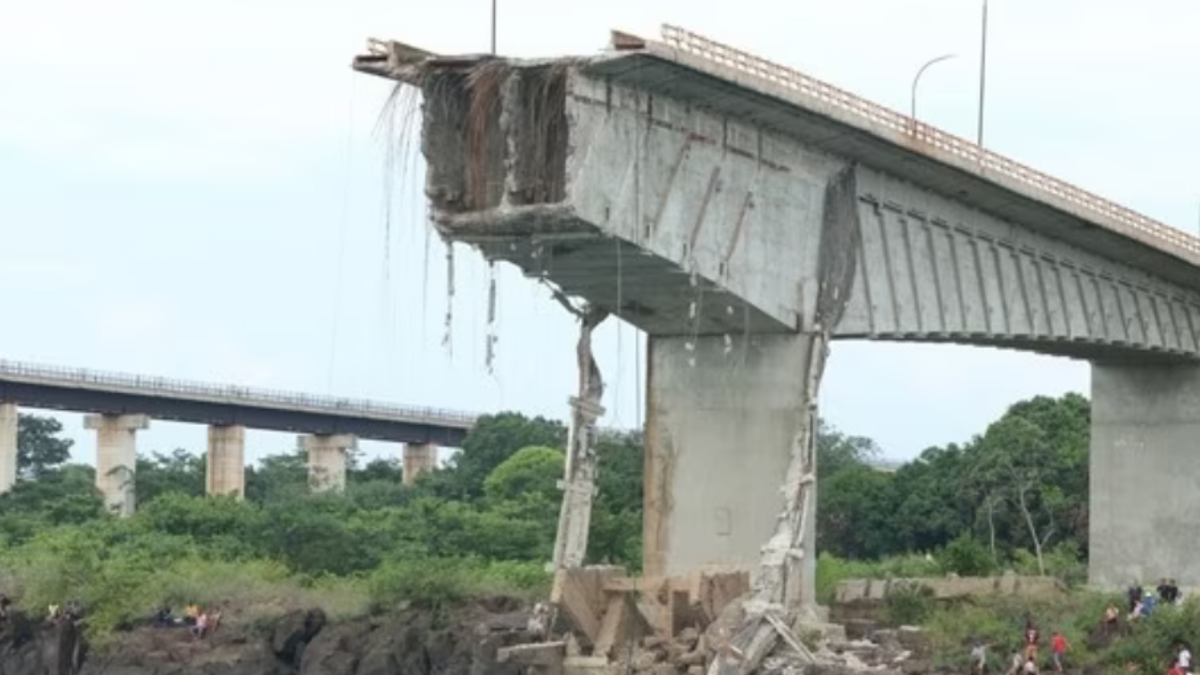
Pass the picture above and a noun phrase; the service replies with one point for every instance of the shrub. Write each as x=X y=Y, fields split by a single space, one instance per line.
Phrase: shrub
x=966 y=557
x=437 y=583
x=908 y=604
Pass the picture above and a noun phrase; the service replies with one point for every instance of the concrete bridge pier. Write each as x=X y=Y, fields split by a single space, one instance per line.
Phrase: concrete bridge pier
x=8 y=446
x=1144 y=485
x=719 y=431
x=225 y=473
x=327 y=460
x=116 y=458
x=419 y=459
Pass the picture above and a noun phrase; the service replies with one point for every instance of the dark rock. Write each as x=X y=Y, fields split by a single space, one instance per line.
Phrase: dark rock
x=860 y=629
x=294 y=630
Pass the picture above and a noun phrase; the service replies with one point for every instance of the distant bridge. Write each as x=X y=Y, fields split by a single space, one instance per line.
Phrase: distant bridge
x=107 y=393
x=122 y=404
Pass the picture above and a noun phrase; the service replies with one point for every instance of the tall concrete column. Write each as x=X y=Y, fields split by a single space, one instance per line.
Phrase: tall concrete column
x=1144 y=477
x=226 y=466
x=8 y=446
x=327 y=460
x=719 y=433
x=116 y=458
x=419 y=459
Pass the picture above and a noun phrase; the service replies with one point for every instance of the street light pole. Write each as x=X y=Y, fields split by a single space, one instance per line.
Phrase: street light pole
x=982 y=71
x=493 y=27
x=918 y=79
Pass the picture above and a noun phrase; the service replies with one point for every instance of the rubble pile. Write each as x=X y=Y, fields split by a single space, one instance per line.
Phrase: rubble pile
x=609 y=624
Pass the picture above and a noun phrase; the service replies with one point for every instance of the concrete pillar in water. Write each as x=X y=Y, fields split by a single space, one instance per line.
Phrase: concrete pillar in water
x=1144 y=488
x=720 y=428
x=419 y=459
x=226 y=465
x=8 y=446
x=116 y=458
x=327 y=460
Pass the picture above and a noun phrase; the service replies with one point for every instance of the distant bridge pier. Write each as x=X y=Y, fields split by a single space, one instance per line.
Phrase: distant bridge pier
x=327 y=460
x=1144 y=486
x=225 y=474
x=116 y=458
x=419 y=459
x=8 y=446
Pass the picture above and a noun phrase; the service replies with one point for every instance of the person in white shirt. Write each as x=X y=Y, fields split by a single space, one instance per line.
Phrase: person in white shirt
x=1185 y=658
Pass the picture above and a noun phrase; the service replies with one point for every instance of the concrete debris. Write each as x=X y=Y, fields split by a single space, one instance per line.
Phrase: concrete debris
x=613 y=624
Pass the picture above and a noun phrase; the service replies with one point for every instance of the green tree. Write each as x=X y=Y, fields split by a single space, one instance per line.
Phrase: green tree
x=493 y=439
x=40 y=446
x=277 y=476
x=531 y=472
x=180 y=472
x=836 y=450
x=855 y=509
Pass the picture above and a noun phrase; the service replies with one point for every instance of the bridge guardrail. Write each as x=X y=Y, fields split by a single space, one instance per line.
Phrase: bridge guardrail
x=230 y=393
x=1167 y=237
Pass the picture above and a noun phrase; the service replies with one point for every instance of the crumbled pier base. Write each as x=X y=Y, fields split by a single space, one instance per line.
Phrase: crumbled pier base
x=609 y=623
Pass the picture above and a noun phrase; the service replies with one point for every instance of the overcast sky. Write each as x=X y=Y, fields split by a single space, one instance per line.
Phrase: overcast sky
x=193 y=188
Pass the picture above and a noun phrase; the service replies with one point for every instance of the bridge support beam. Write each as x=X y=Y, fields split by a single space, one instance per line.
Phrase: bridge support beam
x=719 y=435
x=116 y=458
x=419 y=459
x=225 y=474
x=327 y=460
x=8 y=446
x=1144 y=484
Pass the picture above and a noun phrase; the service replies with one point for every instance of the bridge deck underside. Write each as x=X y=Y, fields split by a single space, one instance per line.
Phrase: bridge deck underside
x=651 y=292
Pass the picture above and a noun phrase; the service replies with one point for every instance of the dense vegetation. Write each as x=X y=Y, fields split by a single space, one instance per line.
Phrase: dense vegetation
x=488 y=520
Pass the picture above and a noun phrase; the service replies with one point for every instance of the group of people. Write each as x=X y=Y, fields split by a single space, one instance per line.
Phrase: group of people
x=72 y=611
x=1143 y=603
x=1025 y=660
x=200 y=622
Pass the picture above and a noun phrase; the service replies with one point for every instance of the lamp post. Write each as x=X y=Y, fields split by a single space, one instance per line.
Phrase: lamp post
x=982 y=71
x=917 y=79
x=493 y=27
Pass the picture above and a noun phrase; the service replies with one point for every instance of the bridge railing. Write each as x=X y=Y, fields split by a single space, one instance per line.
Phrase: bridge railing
x=163 y=386
x=1129 y=222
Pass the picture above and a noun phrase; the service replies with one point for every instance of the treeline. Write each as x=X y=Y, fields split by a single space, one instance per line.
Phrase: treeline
x=498 y=501
x=1019 y=487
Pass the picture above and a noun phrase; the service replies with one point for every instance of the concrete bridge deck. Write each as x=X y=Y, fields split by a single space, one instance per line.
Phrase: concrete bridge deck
x=81 y=390
x=956 y=244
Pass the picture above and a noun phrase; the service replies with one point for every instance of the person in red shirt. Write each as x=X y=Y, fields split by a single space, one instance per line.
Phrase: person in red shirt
x=1060 y=645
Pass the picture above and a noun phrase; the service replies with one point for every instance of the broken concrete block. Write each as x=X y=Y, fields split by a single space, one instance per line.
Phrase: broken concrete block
x=535 y=654
x=688 y=637
x=588 y=665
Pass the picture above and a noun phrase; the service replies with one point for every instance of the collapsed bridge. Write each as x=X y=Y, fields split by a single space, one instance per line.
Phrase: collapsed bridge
x=744 y=215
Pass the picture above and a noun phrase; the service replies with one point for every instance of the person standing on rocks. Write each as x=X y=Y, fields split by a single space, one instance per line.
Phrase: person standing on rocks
x=1135 y=596
x=978 y=657
x=1059 y=645
x=1031 y=641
